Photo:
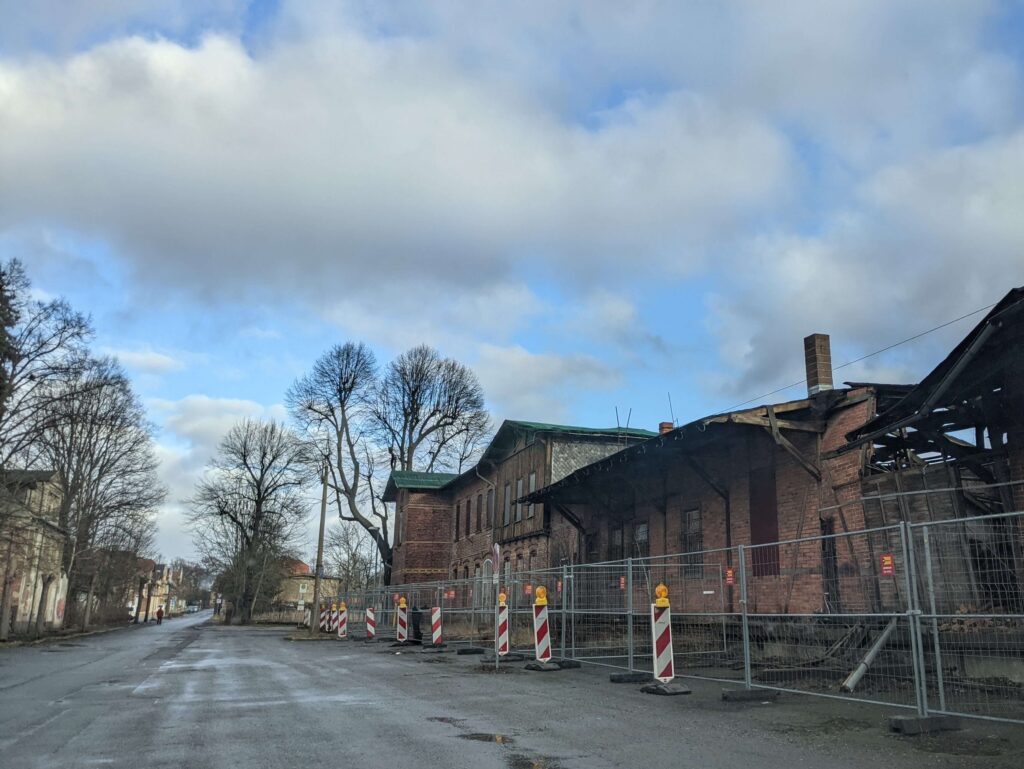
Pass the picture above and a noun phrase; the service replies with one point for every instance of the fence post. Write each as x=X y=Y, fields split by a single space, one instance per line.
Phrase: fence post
x=629 y=612
x=742 y=557
x=912 y=621
x=935 y=618
x=561 y=600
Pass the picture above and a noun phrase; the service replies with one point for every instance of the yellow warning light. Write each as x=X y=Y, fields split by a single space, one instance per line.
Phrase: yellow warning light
x=334 y=606
x=401 y=603
x=342 y=607
x=661 y=601
x=542 y=597
x=502 y=598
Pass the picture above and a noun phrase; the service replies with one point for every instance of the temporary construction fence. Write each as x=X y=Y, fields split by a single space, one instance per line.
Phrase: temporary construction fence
x=928 y=616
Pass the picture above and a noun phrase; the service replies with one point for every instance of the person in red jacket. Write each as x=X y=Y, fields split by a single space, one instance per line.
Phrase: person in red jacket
x=160 y=615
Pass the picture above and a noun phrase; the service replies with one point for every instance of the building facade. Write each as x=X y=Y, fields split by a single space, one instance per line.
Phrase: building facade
x=446 y=525
x=35 y=587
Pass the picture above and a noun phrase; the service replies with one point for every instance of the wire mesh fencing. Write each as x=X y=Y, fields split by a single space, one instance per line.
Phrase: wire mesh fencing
x=926 y=615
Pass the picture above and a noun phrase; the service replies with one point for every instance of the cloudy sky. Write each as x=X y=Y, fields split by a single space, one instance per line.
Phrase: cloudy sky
x=594 y=204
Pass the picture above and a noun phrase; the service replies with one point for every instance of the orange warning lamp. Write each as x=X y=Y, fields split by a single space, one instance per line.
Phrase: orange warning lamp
x=401 y=603
x=334 y=606
x=661 y=593
x=342 y=607
x=501 y=599
x=542 y=597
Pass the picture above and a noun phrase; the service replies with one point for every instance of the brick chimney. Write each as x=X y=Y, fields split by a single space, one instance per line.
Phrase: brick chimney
x=665 y=427
x=818 y=358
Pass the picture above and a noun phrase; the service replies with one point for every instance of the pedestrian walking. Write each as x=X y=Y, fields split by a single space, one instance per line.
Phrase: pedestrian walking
x=160 y=615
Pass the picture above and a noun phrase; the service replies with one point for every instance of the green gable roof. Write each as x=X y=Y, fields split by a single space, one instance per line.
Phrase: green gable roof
x=409 y=479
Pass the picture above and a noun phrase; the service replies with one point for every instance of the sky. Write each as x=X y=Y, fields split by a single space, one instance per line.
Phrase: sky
x=595 y=205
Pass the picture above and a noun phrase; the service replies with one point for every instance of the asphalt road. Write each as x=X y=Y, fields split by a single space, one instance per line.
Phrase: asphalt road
x=188 y=694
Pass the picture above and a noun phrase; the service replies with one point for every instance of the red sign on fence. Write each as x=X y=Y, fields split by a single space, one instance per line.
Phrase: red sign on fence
x=622 y=583
x=528 y=588
x=888 y=565
x=730 y=577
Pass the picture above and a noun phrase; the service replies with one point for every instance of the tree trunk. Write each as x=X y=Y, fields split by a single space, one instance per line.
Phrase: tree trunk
x=138 y=599
x=43 y=602
x=87 y=614
x=5 y=600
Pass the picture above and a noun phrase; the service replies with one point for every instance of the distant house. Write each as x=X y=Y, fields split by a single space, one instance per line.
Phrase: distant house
x=446 y=524
x=31 y=548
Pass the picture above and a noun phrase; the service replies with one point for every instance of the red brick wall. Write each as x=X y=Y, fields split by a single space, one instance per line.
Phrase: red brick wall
x=423 y=521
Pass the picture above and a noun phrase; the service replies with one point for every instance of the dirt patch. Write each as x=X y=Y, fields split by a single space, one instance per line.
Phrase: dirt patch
x=490 y=669
x=447 y=720
x=497 y=739
x=834 y=725
x=958 y=745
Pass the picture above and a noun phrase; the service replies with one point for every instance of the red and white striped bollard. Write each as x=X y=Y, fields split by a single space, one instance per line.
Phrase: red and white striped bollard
x=371 y=624
x=435 y=625
x=502 y=625
x=402 y=626
x=342 y=620
x=541 y=629
x=661 y=633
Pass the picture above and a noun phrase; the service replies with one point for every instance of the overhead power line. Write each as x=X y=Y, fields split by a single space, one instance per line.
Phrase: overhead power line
x=869 y=355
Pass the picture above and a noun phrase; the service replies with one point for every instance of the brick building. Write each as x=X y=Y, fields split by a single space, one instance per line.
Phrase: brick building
x=446 y=524
x=817 y=466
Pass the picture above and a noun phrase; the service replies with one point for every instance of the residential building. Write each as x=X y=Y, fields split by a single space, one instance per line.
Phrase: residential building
x=35 y=587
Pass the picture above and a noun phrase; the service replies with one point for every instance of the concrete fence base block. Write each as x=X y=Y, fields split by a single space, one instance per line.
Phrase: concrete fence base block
x=542 y=667
x=469 y=651
x=910 y=725
x=513 y=657
x=566 y=664
x=748 y=695
x=670 y=689
x=631 y=678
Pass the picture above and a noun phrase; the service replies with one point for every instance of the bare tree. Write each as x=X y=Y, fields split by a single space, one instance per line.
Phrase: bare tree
x=98 y=440
x=426 y=403
x=333 y=406
x=41 y=342
x=247 y=510
x=349 y=554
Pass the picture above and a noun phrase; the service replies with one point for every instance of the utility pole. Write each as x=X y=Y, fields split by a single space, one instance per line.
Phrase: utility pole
x=314 y=614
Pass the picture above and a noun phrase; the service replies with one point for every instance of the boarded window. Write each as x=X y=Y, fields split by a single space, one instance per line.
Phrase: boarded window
x=764 y=522
x=479 y=510
x=519 y=495
x=490 y=508
x=691 y=542
x=533 y=488
x=506 y=514
x=641 y=541
x=468 y=511
x=615 y=552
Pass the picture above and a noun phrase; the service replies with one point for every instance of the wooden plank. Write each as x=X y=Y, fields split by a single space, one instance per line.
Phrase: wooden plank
x=793 y=451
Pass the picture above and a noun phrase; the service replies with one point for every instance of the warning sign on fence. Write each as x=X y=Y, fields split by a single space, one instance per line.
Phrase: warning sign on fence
x=888 y=565
x=730 y=577
x=622 y=583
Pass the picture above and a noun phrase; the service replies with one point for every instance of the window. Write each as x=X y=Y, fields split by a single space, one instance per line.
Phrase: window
x=479 y=511
x=468 y=511
x=458 y=517
x=641 y=541
x=764 y=522
x=506 y=514
x=490 y=507
x=615 y=545
x=533 y=488
x=691 y=542
x=519 y=495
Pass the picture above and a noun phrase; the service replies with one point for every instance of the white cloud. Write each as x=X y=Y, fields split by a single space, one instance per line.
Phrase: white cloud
x=538 y=386
x=335 y=162
x=929 y=241
x=147 y=361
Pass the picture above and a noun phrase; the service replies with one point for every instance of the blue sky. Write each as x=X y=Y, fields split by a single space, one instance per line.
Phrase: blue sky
x=593 y=204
